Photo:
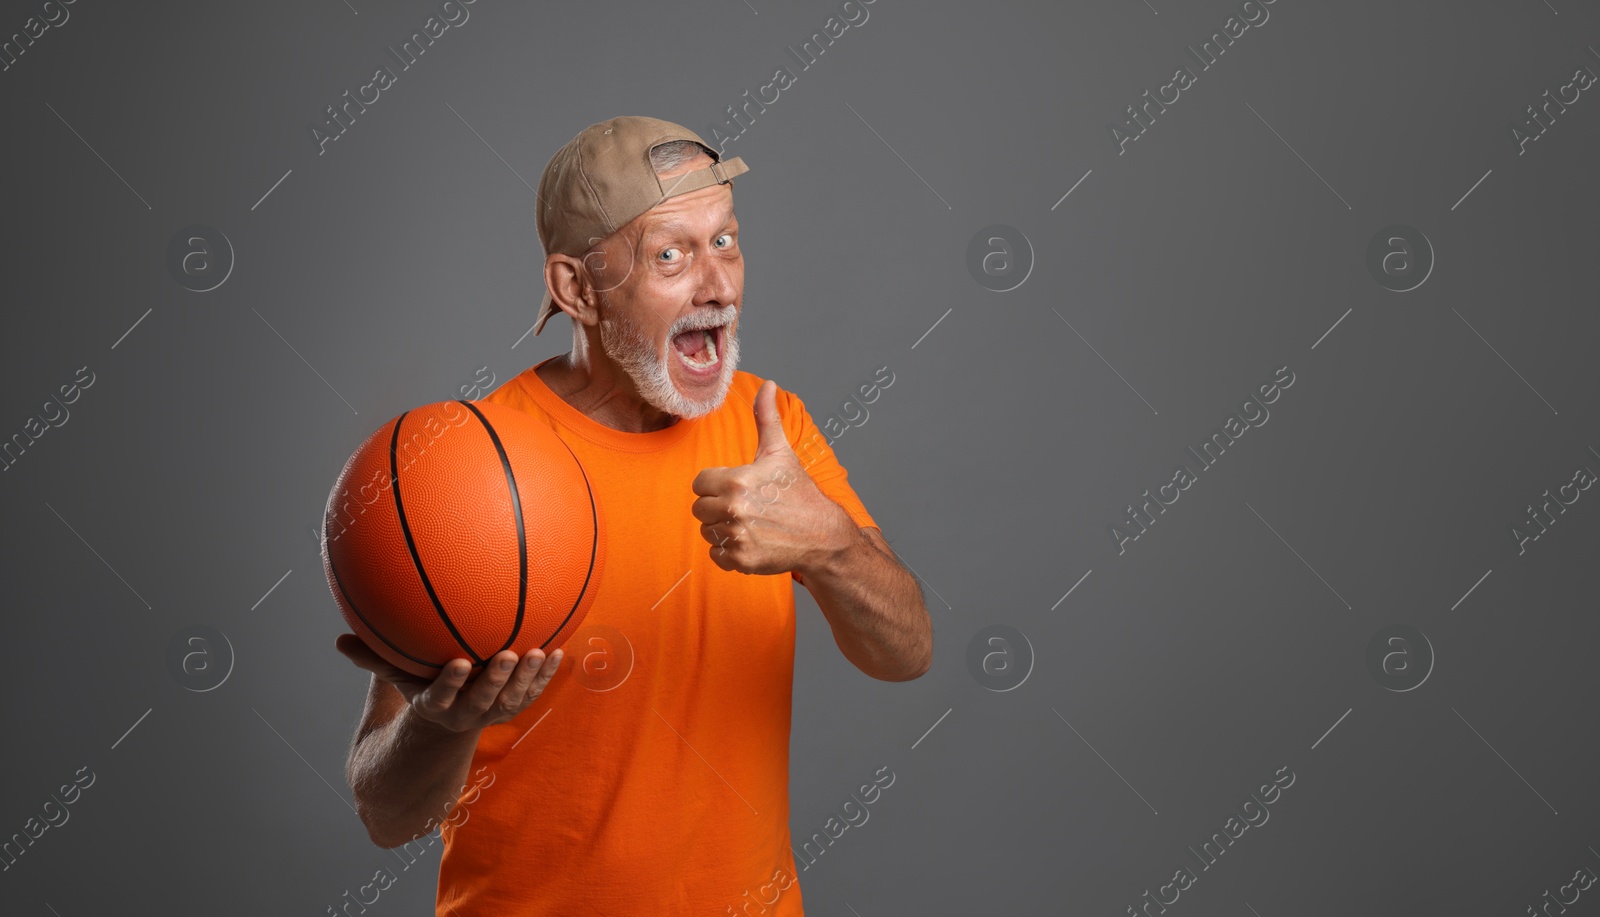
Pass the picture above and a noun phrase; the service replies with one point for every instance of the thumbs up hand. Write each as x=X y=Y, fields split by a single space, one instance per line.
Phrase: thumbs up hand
x=768 y=516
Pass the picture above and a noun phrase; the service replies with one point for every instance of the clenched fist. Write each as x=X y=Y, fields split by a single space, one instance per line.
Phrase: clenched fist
x=768 y=516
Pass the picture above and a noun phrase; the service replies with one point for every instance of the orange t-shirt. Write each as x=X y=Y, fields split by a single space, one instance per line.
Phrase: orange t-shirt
x=666 y=793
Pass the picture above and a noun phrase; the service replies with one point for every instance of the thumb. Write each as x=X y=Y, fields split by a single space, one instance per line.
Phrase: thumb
x=769 y=424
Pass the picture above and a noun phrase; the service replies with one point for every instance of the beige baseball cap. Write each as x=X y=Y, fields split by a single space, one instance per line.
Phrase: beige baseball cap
x=602 y=179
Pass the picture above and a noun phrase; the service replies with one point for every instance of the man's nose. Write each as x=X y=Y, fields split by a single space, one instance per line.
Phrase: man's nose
x=716 y=286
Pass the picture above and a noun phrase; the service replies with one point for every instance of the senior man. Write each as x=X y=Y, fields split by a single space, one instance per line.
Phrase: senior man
x=654 y=779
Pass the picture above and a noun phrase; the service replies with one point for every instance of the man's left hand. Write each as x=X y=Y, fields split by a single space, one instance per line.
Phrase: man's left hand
x=768 y=516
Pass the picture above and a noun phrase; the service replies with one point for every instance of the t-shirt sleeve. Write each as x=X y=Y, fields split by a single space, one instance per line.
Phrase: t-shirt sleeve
x=818 y=458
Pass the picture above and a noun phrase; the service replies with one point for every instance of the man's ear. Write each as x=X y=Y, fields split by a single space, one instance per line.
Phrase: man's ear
x=571 y=288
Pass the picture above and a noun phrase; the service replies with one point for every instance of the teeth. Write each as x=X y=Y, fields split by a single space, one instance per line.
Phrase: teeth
x=711 y=351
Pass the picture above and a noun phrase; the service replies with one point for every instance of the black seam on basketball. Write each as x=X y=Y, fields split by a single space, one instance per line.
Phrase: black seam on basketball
x=350 y=603
x=516 y=512
x=411 y=545
x=594 y=547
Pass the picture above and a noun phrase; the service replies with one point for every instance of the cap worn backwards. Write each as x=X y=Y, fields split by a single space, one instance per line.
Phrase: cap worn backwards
x=602 y=179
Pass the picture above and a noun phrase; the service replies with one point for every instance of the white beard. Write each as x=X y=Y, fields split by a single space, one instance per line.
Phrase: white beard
x=647 y=366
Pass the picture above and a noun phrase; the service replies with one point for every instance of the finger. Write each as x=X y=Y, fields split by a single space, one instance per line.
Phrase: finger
x=357 y=651
x=486 y=686
x=709 y=509
x=546 y=672
x=540 y=668
x=515 y=695
x=770 y=436
x=440 y=697
x=711 y=481
x=722 y=535
x=723 y=558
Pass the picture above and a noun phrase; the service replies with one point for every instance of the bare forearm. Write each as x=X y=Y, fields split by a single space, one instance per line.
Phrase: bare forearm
x=404 y=773
x=875 y=609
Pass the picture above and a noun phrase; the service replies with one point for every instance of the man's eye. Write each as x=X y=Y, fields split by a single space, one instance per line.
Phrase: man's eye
x=724 y=241
x=669 y=255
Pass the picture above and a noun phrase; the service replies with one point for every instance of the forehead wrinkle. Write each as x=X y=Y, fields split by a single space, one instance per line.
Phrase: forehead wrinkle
x=675 y=224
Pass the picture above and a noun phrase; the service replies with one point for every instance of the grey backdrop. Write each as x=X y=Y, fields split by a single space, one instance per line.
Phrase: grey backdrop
x=1169 y=277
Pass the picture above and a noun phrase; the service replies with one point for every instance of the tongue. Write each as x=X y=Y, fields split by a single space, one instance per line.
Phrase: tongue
x=691 y=343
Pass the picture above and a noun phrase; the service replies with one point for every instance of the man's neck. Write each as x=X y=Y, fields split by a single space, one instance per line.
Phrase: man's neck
x=603 y=393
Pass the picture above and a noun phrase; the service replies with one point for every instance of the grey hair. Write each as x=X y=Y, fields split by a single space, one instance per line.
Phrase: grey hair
x=667 y=156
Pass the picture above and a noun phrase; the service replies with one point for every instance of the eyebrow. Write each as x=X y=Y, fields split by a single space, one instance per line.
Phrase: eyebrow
x=671 y=227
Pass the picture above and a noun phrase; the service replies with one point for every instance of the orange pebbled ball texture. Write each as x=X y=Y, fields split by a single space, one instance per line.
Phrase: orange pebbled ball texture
x=459 y=530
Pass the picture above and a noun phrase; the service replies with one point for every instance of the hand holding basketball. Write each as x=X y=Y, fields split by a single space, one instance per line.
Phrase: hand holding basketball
x=497 y=694
x=768 y=516
x=462 y=530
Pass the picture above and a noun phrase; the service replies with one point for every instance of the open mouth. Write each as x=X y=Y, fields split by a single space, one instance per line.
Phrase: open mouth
x=699 y=349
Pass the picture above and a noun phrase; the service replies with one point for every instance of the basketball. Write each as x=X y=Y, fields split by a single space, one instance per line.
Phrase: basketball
x=459 y=530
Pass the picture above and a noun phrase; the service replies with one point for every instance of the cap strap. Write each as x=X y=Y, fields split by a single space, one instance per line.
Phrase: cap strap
x=718 y=173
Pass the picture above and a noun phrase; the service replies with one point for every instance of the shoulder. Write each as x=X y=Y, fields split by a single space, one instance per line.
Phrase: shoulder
x=742 y=391
x=791 y=409
x=799 y=427
x=745 y=385
x=513 y=393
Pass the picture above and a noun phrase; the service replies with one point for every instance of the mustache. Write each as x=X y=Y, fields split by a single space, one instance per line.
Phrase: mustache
x=696 y=321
